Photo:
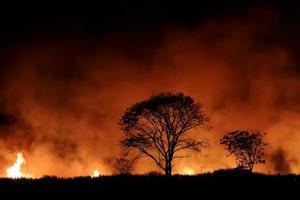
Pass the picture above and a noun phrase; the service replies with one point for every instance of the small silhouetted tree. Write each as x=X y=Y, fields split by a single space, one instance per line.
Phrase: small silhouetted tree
x=123 y=166
x=248 y=148
x=158 y=128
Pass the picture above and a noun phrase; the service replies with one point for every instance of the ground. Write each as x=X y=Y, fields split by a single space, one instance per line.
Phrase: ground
x=221 y=183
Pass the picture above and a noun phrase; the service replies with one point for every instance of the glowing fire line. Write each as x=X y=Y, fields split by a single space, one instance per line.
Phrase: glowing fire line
x=188 y=171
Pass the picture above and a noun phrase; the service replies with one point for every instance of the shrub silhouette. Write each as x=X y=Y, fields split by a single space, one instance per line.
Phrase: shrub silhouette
x=246 y=147
x=123 y=166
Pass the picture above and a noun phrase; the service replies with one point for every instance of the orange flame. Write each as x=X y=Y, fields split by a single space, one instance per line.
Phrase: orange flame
x=96 y=173
x=188 y=171
x=15 y=170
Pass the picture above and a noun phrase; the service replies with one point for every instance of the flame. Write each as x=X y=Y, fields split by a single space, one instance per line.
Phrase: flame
x=96 y=173
x=188 y=171
x=15 y=170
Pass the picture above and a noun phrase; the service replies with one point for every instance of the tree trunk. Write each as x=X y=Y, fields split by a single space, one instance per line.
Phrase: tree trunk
x=251 y=168
x=168 y=168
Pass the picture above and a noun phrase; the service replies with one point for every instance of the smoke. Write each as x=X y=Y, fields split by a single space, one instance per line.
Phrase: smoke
x=61 y=98
x=281 y=164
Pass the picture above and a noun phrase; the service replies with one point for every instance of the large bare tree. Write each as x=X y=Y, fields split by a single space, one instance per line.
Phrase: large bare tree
x=158 y=128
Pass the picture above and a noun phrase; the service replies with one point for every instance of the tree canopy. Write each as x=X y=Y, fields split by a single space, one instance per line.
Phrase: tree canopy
x=157 y=128
x=248 y=148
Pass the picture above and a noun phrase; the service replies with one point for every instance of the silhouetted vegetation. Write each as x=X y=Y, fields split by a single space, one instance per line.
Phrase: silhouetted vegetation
x=158 y=127
x=123 y=166
x=246 y=147
x=225 y=180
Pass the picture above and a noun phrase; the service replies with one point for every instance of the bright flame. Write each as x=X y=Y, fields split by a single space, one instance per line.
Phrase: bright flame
x=15 y=170
x=96 y=173
x=188 y=171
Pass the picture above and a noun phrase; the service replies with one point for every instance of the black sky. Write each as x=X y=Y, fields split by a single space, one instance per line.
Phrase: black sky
x=128 y=16
x=140 y=22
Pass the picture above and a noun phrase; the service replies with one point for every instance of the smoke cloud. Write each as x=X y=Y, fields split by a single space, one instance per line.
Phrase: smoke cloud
x=281 y=164
x=61 y=99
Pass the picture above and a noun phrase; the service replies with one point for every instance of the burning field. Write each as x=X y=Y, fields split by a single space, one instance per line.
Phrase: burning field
x=67 y=79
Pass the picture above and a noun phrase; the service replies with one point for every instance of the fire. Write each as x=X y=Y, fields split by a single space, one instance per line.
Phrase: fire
x=15 y=170
x=96 y=173
x=188 y=171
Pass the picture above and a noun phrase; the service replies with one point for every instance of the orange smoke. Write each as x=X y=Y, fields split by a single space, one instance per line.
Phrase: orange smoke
x=61 y=99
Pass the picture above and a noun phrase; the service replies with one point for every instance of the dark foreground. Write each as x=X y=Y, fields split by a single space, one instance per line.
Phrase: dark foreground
x=221 y=183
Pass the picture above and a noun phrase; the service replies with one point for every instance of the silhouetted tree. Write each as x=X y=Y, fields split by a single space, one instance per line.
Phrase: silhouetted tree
x=123 y=166
x=157 y=128
x=246 y=147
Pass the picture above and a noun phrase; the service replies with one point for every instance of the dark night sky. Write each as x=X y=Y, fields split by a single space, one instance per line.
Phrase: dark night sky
x=135 y=21
x=20 y=23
